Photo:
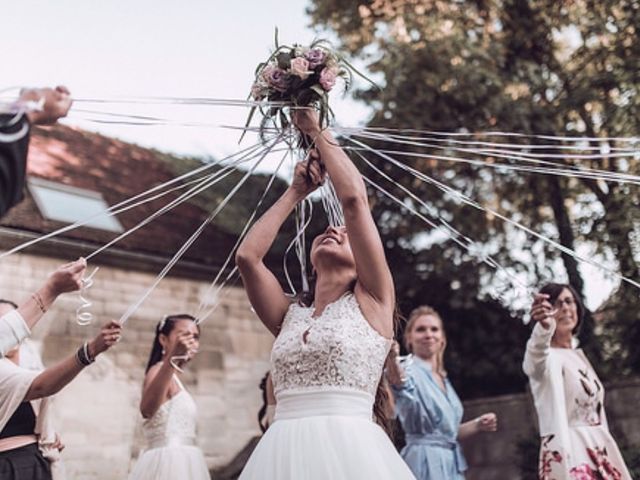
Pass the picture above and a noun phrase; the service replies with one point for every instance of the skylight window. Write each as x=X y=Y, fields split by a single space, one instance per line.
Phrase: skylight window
x=63 y=203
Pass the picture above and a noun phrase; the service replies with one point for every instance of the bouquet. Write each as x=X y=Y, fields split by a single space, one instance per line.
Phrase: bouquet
x=298 y=76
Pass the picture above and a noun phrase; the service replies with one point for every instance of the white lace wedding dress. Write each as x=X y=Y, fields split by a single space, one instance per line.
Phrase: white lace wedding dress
x=170 y=434
x=325 y=374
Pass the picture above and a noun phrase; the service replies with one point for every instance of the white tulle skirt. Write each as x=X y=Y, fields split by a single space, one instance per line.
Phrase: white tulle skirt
x=321 y=435
x=171 y=462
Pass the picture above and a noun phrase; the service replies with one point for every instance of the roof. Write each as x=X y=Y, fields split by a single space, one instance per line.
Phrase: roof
x=117 y=170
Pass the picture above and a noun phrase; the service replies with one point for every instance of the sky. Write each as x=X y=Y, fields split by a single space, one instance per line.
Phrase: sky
x=114 y=49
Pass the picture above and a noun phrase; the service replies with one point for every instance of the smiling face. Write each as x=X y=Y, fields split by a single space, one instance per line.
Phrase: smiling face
x=426 y=337
x=332 y=249
x=566 y=312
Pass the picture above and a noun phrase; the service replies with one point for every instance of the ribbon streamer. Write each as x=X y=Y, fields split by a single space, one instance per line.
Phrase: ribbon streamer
x=84 y=316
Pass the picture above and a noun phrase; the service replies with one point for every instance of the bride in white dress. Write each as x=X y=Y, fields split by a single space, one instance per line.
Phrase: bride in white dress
x=170 y=413
x=327 y=359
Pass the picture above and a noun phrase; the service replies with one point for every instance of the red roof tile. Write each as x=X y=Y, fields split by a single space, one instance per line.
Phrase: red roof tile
x=117 y=170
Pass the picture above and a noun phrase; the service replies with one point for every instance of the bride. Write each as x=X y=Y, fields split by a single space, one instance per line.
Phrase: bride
x=328 y=357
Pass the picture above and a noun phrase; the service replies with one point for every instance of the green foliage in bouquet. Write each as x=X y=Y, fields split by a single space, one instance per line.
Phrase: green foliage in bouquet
x=298 y=76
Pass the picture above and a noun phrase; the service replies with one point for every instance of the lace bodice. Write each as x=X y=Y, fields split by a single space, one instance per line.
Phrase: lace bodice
x=338 y=349
x=175 y=420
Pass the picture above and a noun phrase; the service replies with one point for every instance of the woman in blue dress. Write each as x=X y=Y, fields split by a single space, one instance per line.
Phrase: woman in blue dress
x=427 y=405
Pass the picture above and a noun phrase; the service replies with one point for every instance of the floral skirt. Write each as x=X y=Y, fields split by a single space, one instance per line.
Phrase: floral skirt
x=594 y=455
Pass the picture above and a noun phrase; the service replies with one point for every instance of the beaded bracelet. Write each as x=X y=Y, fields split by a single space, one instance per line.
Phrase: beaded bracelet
x=38 y=299
x=83 y=357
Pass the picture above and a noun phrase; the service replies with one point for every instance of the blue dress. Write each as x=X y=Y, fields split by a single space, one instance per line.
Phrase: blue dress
x=431 y=419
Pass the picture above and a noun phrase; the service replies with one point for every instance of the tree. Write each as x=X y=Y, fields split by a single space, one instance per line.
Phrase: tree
x=535 y=67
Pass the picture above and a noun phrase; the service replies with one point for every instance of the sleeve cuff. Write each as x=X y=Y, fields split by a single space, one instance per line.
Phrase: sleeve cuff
x=541 y=334
x=13 y=329
x=406 y=387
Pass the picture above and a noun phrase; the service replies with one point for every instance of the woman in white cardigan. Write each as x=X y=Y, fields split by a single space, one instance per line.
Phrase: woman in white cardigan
x=569 y=397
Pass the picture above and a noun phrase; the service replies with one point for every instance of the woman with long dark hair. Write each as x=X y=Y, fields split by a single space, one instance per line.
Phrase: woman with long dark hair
x=428 y=407
x=169 y=411
x=328 y=356
x=568 y=395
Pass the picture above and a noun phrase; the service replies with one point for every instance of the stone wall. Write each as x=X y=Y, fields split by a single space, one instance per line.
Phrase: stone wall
x=97 y=415
x=495 y=456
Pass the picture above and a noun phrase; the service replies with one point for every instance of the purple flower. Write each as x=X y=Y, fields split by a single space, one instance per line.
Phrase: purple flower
x=275 y=77
x=316 y=57
x=328 y=78
x=259 y=90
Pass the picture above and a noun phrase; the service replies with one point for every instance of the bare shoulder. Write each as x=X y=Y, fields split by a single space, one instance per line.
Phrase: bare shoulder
x=153 y=373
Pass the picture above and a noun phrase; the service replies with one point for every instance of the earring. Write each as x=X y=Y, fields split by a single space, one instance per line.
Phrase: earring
x=163 y=351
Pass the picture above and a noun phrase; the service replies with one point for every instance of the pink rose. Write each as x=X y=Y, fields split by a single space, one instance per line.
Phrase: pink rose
x=259 y=90
x=328 y=78
x=275 y=77
x=583 y=472
x=316 y=57
x=300 y=68
x=266 y=71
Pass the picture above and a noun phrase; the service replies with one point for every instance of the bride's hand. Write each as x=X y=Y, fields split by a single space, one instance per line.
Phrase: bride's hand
x=302 y=184
x=307 y=121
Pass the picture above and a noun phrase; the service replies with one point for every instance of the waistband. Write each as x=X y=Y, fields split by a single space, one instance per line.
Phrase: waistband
x=439 y=441
x=293 y=404
x=11 y=443
x=173 y=441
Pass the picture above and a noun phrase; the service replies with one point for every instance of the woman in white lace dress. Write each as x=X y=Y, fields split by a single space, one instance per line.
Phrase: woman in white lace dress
x=328 y=357
x=168 y=409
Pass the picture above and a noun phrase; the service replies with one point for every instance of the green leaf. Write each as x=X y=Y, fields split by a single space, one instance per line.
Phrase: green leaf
x=360 y=74
x=275 y=52
x=259 y=68
x=246 y=125
x=318 y=89
x=284 y=60
x=284 y=121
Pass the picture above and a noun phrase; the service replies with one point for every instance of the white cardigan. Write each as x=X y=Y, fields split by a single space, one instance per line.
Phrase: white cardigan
x=543 y=366
x=13 y=330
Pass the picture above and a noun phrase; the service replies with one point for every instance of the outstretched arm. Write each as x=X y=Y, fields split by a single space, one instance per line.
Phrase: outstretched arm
x=264 y=291
x=374 y=276
x=56 y=104
x=539 y=344
x=15 y=326
x=67 y=278
x=487 y=422
x=55 y=378
x=158 y=381
x=14 y=137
